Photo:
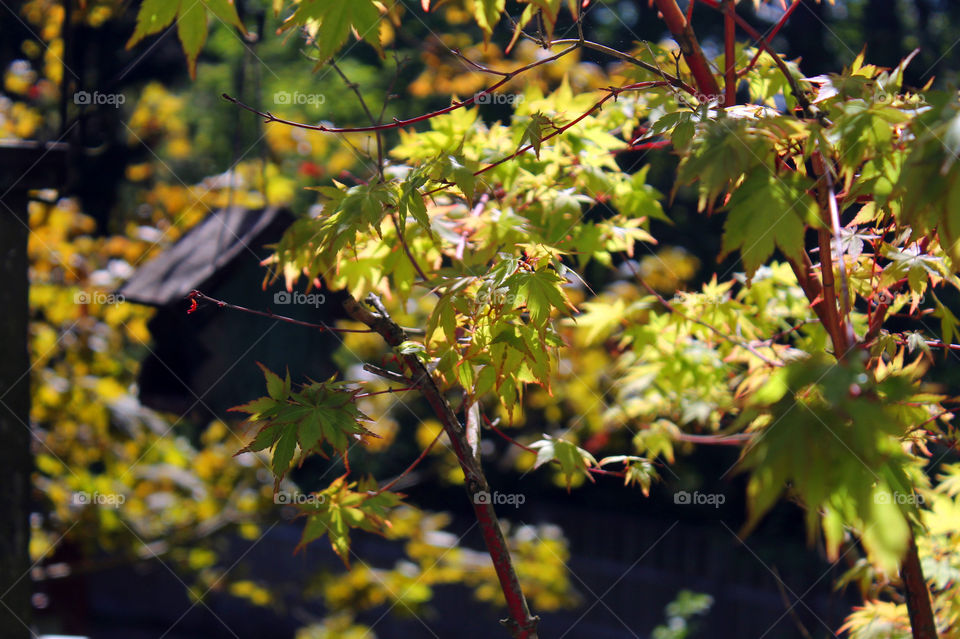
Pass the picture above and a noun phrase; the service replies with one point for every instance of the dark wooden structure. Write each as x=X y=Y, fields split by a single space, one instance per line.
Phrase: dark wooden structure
x=23 y=166
x=201 y=364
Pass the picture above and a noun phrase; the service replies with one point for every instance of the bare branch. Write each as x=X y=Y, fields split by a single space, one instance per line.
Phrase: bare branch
x=396 y=124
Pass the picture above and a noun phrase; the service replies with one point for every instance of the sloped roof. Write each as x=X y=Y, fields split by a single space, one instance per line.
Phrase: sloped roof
x=197 y=256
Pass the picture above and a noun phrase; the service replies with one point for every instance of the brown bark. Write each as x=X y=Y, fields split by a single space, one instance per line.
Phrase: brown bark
x=689 y=46
x=922 y=621
x=521 y=623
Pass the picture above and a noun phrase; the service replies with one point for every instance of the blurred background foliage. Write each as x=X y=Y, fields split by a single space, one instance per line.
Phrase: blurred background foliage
x=173 y=151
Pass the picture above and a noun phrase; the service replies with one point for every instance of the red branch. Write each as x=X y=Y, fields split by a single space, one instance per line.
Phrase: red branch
x=645 y=146
x=729 y=54
x=416 y=462
x=195 y=295
x=923 y=624
x=802 y=99
x=613 y=92
x=683 y=33
x=766 y=39
x=521 y=623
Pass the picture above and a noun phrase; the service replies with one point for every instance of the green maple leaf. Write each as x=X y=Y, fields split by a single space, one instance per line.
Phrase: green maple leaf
x=487 y=14
x=191 y=20
x=541 y=291
x=533 y=133
x=340 y=507
x=767 y=212
x=331 y=22
x=839 y=452
x=572 y=459
x=317 y=415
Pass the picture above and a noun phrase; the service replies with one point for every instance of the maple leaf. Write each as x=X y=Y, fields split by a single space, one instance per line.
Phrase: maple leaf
x=767 y=212
x=320 y=413
x=191 y=20
x=573 y=460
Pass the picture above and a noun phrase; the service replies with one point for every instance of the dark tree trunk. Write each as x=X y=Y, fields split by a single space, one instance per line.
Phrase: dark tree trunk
x=15 y=459
x=25 y=165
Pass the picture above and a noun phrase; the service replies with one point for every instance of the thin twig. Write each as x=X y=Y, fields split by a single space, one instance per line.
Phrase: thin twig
x=406 y=249
x=798 y=93
x=388 y=375
x=596 y=46
x=838 y=326
x=384 y=392
x=416 y=462
x=197 y=295
x=595 y=471
x=689 y=45
x=477 y=66
x=729 y=53
x=613 y=92
x=790 y=606
x=737 y=439
x=396 y=124
x=767 y=38
x=786 y=332
x=363 y=103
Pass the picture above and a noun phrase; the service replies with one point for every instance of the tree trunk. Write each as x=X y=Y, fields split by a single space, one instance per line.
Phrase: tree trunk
x=922 y=622
x=15 y=460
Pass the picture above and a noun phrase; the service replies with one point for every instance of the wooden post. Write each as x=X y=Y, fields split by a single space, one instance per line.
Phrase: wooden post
x=25 y=166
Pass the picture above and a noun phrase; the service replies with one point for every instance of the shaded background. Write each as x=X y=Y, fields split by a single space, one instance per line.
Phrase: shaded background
x=630 y=554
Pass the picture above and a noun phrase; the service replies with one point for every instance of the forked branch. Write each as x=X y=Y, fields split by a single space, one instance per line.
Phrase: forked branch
x=521 y=623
